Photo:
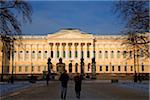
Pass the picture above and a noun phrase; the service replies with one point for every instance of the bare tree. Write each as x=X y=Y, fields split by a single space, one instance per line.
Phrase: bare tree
x=11 y=12
x=136 y=36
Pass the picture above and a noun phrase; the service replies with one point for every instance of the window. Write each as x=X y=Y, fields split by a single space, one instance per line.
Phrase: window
x=142 y=67
x=112 y=54
x=118 y=68
x=76 y=67
x=70 y=67
x=76 y=54
x=142 y=53
x=27 y=55
x=106 y=54
x=113 y=68
x=124 y=54
x=106 y=67
x=94 y=54
x=130 y=54
x=52 y=54
x=82 y=54
x=100 y=54
x=89 y=66
x=118 y=54
x=100 y=68
x=125 y=68
x=64 y=54
x=20 y=55
x=32 y=68
x=33 y=55
x=57 y=54
x=88 y=54
x=15 y=53
x=45 y=54
x=20 y=68
x=70 y=54
x=39 y=55
x=131 y=68
x=26 y=68
x=44 y=68
x=39 y=68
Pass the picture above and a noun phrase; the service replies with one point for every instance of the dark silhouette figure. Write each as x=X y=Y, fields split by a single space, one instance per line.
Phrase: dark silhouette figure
x=78 y=81
x=47 y=78
x=139 y=78
x=64 y=78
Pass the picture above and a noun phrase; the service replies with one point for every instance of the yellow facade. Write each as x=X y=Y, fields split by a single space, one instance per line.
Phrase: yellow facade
x=32 y=52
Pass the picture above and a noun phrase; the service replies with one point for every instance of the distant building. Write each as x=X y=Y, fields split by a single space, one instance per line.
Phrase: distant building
x=32 y=52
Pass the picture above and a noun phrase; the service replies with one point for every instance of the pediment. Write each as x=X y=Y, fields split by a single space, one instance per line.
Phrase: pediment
x=69 y=34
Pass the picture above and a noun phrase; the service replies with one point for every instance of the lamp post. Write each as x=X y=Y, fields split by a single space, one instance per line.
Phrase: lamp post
x=82 y=67
x=93 y=61
x=49 y=67
x=93 y=68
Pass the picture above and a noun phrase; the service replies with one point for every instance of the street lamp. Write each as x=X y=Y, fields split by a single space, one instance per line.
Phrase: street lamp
x=82 y=66
x=93 y=68
x=49 y=67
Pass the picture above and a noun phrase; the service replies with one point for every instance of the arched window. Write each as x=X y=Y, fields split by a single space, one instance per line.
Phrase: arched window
x=82 y=54
x=70 y=67
x=142 y=67
x=100 y=68
x=131 y=68
x=130 y=54
x=45 y=54
x=52 y=54
x=89 y=66
x=124 y=54
x=26 y=55
x=39 y=55
x=76 y=67
x=113 y=68
x=33 y=54
x=119 y=68
x=125 y=68
x=100 y=54
x=106 y=54
x=112 y=54
x=118 y=54
x=106 y=67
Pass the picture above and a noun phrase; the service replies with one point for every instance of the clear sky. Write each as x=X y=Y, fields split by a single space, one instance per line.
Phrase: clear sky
x=95 y=17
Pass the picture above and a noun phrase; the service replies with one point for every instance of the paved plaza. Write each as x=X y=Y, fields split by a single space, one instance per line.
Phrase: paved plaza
x=91 y=90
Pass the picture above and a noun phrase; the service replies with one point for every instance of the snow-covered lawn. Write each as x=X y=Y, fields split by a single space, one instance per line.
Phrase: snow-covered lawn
x=144 y=86
x=8 y=87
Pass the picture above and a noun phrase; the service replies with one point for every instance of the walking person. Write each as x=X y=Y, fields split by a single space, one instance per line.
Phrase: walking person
x=47 y=79
x=78 y=82
x=64 y=78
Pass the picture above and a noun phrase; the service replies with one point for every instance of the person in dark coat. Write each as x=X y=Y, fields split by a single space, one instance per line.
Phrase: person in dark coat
x=64 y=78
x=47 y=78
x=78 y=82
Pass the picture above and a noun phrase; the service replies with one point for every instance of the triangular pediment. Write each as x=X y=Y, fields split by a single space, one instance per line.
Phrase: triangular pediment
x=69 y=34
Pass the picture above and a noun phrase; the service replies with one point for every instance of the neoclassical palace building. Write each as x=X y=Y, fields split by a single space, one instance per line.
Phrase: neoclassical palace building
x=32 y=52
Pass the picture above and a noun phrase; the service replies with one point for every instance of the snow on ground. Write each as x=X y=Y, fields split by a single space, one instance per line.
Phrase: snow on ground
x=143 y=86
x=8 y=87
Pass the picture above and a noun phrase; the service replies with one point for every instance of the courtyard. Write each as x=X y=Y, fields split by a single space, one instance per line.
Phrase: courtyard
x=91 y=90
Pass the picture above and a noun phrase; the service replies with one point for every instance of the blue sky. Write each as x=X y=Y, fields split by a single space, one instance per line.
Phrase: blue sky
x=94 y=17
